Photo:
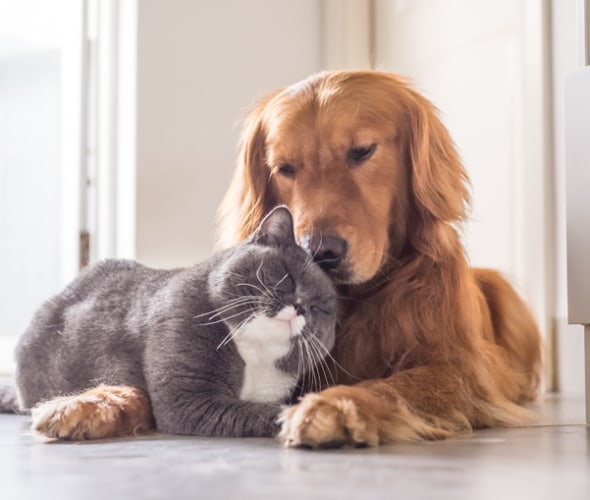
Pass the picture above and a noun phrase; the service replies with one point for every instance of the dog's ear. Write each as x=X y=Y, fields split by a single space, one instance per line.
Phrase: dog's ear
x=438 y=179
x=249 y=196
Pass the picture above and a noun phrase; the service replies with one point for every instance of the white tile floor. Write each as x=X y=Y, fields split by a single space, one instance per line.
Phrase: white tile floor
x=550 y=461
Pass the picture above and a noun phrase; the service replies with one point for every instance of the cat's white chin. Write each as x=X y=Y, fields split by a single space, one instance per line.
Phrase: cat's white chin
x=261 y=343
x=289 y=315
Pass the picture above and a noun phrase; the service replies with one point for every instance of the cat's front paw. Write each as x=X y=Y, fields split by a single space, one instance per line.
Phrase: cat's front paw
x=330 y=419
x=102 y=412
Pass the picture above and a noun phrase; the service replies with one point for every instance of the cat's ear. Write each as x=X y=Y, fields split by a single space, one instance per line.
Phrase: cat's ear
x=276 y=228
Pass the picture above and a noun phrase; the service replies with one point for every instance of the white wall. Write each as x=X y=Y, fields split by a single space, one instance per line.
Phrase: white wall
x=29 y=190
x=199 y=66
x=38 y=182
x=566 y=58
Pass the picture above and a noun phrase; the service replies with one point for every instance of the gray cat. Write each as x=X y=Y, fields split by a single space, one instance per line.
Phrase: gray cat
x=218 y=346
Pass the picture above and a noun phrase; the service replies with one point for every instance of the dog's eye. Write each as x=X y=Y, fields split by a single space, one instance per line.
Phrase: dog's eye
x=361 y=154
x=287 y=170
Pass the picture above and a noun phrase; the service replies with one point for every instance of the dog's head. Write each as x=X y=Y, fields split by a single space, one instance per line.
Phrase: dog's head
x=363 y=162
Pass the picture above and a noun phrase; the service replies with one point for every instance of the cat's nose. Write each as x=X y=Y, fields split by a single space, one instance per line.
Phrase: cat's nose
x=327 y=250
x=299 y=309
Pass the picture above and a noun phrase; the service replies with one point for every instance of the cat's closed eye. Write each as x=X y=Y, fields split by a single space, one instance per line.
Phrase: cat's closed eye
x=317 y=309
x=285 y=284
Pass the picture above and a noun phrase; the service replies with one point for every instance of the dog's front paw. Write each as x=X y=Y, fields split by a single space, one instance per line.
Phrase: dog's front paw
x=331 y=419
x=101 y=412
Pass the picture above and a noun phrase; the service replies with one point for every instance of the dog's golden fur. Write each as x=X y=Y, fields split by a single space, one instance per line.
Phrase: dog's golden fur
x=101 y=412
x=439 y=348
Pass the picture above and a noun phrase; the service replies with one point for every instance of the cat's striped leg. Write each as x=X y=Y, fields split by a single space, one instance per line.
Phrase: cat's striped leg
x=101 y=412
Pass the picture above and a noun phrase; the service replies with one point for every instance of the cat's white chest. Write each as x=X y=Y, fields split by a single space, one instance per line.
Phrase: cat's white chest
x=261 y=343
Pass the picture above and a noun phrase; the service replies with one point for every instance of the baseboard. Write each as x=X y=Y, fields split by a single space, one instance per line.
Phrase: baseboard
x=569 y=358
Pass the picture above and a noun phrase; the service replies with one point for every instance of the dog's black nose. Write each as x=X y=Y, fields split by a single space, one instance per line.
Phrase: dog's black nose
x=328 y=251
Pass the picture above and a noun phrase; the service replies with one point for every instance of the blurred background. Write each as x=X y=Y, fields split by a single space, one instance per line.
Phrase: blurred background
x=119 y=123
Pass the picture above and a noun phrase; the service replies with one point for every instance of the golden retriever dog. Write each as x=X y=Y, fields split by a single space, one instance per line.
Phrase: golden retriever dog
x=426 y=347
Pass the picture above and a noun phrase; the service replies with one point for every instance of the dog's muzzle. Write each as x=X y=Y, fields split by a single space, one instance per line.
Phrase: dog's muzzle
x=328 y=251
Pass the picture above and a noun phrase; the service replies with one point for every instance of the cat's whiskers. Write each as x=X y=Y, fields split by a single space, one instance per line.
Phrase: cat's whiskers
x=265 y=293
x=307 y=379
x=257 y=288
x=245 y=300
x=323 y=364
x=225 y=318
x=328 y=356
x=319 y=246
x=258 y=271
x=303 y=358
x=261 y=298
x=308 y=262
x=320 y=365
x=315 y=382
x=226 y=309
x=311 y=260
x=313 y=366
x=303 y=366
x=280 y=281
x=235 y=331
x=300 y=361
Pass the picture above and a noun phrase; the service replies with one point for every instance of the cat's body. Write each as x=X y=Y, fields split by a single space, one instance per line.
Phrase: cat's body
x=182 y=336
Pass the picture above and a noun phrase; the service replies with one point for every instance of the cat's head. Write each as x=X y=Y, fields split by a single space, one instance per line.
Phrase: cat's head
x=273 y=295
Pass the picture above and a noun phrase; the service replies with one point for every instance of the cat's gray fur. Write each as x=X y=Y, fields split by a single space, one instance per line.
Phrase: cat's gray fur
x=121 y=323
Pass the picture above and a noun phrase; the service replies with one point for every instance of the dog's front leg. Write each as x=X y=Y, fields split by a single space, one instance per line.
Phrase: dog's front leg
x=430 y=402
